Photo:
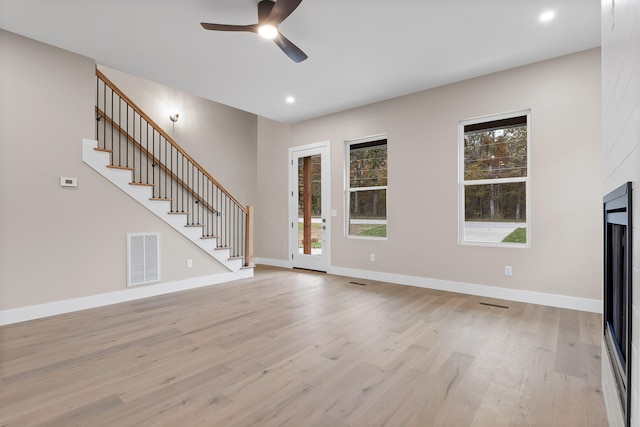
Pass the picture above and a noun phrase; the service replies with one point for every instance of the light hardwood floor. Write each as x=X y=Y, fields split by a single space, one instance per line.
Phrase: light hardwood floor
x=297 y=348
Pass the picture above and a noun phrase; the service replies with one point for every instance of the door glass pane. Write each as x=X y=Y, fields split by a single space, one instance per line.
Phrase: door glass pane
x=310 y=226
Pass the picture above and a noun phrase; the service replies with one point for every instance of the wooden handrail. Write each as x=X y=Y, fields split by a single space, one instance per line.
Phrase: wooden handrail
x=138 y=110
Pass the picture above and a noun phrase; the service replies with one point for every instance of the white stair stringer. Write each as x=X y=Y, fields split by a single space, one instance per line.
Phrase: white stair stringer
x=121 y=178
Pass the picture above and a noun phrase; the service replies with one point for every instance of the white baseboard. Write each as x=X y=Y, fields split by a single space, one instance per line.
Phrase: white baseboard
x=23 y=314
x=32 y=312
x=551 y=300
x=273 y=262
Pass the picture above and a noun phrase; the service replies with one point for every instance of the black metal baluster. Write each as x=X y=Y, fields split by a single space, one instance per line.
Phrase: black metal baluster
x=236 y=245
x=174 y=174
x=112 y=125
x=190 y=187
x=182 y=186
x=221 y=218
x=104 y=128
x=140 y=143
x=127 y=131
x=146 y=145
x=227 y=217
x=133 y=145
x=198 y=193
x=119 y=133
x=207 y=217
x=97 y=107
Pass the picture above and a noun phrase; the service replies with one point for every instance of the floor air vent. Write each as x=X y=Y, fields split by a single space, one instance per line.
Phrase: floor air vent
x=143 y=253
x=493 y=305
x=358 y=283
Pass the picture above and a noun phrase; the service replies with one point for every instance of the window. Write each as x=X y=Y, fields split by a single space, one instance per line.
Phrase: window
x=367 y=187
x=494 y=182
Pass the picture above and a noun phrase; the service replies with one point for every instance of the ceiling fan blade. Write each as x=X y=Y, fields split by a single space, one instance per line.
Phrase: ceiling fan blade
x=282 y=9
x=292 y=51
x=224 y=27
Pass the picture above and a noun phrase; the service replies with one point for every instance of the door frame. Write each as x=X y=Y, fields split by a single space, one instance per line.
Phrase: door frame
x=315 y=262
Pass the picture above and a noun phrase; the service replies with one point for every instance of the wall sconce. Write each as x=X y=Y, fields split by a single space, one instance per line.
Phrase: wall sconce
x=174 y=117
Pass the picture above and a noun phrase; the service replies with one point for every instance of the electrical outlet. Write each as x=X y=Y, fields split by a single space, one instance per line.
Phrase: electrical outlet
x=508 y=271
x=189 y=263
x=373 y=257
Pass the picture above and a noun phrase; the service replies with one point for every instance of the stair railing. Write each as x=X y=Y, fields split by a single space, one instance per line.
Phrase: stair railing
x=138 y=144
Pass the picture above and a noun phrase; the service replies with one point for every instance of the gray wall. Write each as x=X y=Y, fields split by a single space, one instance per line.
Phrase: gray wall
x=565 y=254
x=59 y=243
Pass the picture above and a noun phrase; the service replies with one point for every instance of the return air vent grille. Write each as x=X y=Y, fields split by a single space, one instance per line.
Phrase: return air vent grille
x=143 y=258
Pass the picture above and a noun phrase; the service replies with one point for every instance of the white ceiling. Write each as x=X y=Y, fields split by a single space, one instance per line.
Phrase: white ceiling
x=360 y=51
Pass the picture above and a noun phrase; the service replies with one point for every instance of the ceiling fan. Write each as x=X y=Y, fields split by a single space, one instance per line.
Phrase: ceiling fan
x=270 y=15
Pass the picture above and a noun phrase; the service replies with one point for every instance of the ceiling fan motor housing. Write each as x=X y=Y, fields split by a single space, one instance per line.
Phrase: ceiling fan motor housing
x=264 y=9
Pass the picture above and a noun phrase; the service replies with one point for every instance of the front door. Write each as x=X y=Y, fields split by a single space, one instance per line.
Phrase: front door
x=308 y=206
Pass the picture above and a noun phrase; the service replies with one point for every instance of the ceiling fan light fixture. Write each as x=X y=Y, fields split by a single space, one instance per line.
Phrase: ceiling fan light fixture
x=268 y=31
x=270 y=15
x=547 y=16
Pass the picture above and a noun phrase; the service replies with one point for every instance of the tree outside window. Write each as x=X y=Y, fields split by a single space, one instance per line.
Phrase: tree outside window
x=495 y=180
x=367 y=188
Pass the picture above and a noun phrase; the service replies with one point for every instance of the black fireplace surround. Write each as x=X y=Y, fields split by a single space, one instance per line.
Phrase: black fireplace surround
x=617 y=290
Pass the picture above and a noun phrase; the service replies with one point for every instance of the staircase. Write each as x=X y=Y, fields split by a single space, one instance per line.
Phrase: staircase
x=141 y=159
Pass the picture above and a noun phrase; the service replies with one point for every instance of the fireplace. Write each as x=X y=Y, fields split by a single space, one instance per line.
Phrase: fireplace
x=617 y=290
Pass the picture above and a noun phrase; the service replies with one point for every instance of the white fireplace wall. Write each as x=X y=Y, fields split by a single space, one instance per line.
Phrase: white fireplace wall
x=621 y=158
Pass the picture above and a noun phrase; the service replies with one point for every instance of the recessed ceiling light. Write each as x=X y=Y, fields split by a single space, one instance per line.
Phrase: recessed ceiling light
x=547 y=16
x=290 y=100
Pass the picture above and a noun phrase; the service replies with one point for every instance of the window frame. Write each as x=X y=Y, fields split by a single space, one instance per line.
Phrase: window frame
x=462 y=184
x=349 y=189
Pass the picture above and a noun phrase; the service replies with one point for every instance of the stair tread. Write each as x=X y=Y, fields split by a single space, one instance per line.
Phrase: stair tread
x=194 y=225
x=120 y=167
x=178 y=213
x=104 y=150
x=210 y=237
x=161 y=199
x=144 y=184
x=221 y=248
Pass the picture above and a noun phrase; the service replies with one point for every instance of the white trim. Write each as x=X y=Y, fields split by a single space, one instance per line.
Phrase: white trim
x=552 y=300
x=368 y=138
x=495 y=181
x=32 y=312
